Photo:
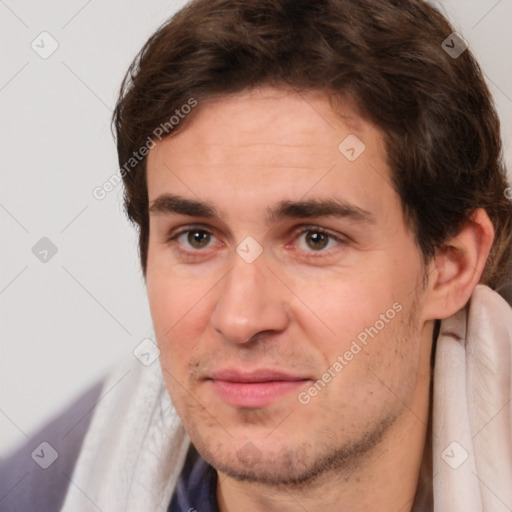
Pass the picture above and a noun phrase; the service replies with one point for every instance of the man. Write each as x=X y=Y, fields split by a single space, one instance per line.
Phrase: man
x=323 y=214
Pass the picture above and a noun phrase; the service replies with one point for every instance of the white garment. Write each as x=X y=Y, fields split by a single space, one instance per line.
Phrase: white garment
x=472 y=408
x=135 y=446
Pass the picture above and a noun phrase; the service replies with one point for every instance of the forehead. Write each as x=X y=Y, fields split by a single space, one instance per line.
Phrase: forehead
x=269 y=142
x=273 y=116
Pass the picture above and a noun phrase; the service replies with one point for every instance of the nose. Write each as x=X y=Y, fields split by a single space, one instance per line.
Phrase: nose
x=251 y=300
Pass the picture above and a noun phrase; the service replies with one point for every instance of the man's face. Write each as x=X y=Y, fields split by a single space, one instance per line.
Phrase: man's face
x=292 y=342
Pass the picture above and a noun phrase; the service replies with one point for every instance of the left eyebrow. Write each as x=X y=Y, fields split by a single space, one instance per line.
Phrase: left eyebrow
x=320 y=208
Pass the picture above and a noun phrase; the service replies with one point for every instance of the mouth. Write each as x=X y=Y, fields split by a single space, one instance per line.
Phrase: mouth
x=256 y=389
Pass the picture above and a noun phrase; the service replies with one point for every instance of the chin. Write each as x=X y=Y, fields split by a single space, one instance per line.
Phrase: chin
x=291 y=458
x=272 y=466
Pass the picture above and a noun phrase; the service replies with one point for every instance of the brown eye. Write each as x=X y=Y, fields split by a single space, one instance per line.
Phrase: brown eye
x=317 y=240
x=198 y=239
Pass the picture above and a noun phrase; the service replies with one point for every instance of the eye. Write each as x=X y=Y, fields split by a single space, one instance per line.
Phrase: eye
x=195 y=239
x=310 y=239
x=315 y=239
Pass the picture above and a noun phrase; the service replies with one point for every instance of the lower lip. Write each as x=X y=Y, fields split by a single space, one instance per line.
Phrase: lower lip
x=254 y=394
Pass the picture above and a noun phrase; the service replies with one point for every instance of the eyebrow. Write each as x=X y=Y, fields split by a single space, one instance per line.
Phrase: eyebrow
x=173 y=204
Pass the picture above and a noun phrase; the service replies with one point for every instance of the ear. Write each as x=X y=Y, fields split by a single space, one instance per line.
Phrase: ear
x=457 y=267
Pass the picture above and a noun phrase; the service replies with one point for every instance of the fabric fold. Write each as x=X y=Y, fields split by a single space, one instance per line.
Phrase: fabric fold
x=135 y=447
x=472 y=452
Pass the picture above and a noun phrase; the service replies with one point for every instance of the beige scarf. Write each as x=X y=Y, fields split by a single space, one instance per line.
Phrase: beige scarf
x=472 y=437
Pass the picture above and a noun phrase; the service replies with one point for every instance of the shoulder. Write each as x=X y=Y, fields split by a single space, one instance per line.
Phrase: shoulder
x=36 y=475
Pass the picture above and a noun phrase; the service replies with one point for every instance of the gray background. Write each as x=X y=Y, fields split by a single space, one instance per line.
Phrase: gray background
x=67 y=320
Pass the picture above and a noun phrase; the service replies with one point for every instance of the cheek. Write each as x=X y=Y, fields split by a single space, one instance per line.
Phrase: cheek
x=178 y=313
x=360 y=325
x=175 y=321
x=338 y=308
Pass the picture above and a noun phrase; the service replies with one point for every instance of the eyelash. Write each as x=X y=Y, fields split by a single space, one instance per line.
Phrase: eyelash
x=191 y=253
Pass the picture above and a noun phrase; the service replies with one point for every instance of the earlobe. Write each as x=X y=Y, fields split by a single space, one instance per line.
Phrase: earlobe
x=458 y=267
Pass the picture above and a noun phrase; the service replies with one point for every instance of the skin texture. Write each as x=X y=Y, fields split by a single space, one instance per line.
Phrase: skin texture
x=297 y=307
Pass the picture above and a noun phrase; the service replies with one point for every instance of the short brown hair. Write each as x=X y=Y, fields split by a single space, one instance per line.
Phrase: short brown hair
x=440 y=127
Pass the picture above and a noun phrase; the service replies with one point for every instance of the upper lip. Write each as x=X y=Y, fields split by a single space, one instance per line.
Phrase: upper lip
x=260 y=375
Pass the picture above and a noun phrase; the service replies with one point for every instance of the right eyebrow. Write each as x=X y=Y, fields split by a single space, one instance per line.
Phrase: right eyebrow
x=169 y=203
